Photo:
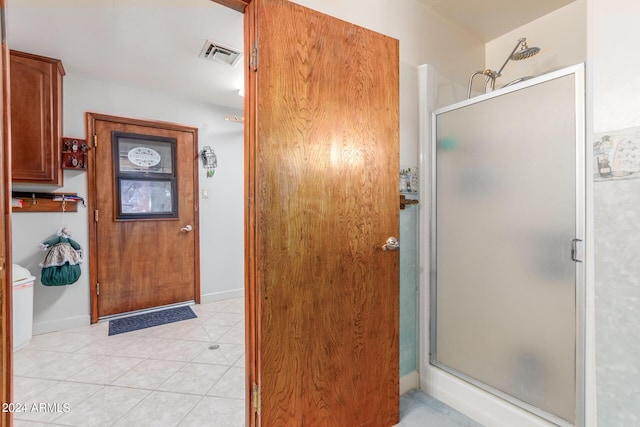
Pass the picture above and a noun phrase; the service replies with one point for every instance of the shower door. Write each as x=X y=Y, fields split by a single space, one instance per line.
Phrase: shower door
x=508 y=224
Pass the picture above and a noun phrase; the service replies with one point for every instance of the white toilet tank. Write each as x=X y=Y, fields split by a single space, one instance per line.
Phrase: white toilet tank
x=22 y=306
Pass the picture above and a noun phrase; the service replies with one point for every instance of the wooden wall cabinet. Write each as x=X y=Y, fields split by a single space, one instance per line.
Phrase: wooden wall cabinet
x=36 y=118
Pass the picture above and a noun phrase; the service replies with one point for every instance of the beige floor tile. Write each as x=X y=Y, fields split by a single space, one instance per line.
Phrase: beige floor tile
x=235 y=335
x=236 y=306
x=173 y=330
x=148 y=374
x=216 y=411
x=215 y=332
x=159 y=409
x=197 y=334
x=104 y=407
x=71 y=394
x=100 y=328
x=240 y=363
x=109 y=345
x=106 y=370
x=180 y=350
x=61 y=342
x=25 y=388
x=23 y=423
x=224 y=319
x=224 y=354
x=144 y=347
x=194 y=378
x=51 y=365
x=231 y=385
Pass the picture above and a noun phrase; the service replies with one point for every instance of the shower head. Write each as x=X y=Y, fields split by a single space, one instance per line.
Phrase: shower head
x=515 y=55
x=524 y=52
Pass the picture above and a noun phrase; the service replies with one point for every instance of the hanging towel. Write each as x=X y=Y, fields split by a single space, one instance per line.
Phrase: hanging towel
x=61 y=265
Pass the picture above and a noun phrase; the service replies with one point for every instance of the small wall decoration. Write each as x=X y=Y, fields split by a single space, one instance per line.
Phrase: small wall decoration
x=616 y=154
x=74 y=153
x=409 y=180
x=209 y=160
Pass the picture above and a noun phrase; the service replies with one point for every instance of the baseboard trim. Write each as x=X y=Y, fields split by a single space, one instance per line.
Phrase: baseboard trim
x=220 y=296
x=475 y=403
x=409 y=382
x=61 y=324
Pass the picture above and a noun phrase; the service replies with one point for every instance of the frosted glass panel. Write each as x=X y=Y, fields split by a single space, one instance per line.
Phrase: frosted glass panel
x=408 y=290
x=505 y=220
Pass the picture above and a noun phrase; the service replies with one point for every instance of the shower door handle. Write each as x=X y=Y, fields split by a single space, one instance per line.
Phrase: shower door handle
x=574 y=250
x=391 y=244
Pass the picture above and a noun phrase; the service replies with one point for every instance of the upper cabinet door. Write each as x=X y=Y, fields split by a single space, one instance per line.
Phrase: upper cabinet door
x=323 y=189
x=36 y=118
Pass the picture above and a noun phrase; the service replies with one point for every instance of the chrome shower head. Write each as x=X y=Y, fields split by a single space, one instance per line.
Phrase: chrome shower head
x=524 y=52
x=516 y=55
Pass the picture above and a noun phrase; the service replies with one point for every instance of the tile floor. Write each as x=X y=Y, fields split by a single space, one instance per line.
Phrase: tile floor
x=162 y=376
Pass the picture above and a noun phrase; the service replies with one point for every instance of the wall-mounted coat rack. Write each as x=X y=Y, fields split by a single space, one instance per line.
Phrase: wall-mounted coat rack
x=23 y=201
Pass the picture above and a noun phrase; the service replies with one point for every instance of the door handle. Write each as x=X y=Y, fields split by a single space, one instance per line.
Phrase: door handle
x=186 y=228
x=391 y=244
x=575 y=253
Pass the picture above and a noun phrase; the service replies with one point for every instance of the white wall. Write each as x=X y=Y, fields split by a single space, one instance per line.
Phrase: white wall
x=221 y=222
x=615 y=92
x=560 y=35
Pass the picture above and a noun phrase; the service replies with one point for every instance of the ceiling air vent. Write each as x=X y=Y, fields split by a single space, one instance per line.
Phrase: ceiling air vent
x=217 y=52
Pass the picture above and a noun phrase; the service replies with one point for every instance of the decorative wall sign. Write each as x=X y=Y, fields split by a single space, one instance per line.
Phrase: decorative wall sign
x=74 y=153
x=616 y=154
x=143 y=156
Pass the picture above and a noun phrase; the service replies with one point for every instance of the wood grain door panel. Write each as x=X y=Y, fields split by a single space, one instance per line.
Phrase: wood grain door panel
x=323 y=198
x=145 y=263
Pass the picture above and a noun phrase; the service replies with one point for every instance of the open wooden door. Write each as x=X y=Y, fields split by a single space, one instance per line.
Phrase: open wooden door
x=322 y=160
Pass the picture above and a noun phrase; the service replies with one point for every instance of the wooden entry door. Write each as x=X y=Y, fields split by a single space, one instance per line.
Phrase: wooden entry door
x=323 y=197
x=144 y=239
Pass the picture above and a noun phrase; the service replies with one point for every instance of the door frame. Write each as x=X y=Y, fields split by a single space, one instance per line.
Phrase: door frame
x=6 y=282
x=92 y=196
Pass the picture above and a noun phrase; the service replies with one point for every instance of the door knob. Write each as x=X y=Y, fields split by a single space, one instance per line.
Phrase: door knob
x=186 y=228
x=391 y=244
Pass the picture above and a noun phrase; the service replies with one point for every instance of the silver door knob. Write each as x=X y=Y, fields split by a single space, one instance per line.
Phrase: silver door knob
x=391 y=244
x=186 y=228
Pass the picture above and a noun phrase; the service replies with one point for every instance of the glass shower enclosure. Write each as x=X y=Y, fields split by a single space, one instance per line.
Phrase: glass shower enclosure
x=508 y=225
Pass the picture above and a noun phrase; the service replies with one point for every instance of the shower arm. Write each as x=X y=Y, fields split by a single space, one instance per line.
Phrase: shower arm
x=499 y=72
x=493 y=75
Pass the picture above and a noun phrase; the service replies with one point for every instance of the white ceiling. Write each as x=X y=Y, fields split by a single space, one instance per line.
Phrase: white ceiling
x=155 y=44
x=152 y=44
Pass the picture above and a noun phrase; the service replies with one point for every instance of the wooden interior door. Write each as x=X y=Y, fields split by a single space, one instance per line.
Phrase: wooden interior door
x=323 y=197
x=144 y=254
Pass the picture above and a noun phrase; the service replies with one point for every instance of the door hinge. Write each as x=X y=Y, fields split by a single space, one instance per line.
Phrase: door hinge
x=253 y=59
x=256 y=398
x=96 y=215
x=97 y=288
x=95 y=140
